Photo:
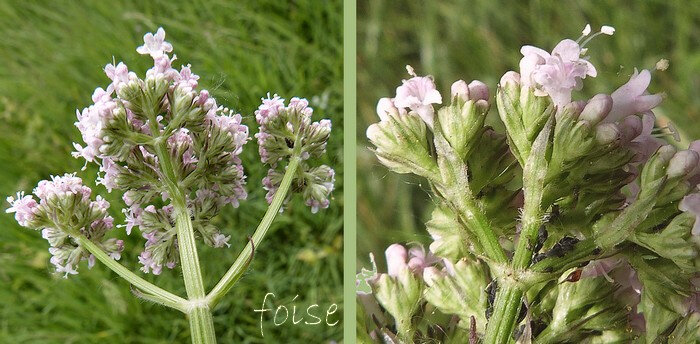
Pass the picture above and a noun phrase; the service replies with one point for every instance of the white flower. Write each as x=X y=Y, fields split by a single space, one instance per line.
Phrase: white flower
x=155 y=45
x=556 y=74
x=418 y=94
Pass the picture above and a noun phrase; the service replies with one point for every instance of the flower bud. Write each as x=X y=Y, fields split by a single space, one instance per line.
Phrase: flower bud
x=396 y=256
x=461 y=123
x=682 y=164
x=510 y=78
x=607 y=133
x=385 y=107
x=460 y=89
x=478 y=90
x=402 y=144
x=596 y=109
x=431 y=274
x=657 y=164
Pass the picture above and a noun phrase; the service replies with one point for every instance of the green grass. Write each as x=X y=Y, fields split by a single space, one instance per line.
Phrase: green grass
x=52 y=55
x=481 y=39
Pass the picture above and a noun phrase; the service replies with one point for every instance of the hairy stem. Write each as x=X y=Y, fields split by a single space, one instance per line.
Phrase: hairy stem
x=199 y=315
x=509 y=298
x=155 y=293
x=238 y=268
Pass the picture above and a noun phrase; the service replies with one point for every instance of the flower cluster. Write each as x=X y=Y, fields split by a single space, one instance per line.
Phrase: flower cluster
x=571 y=196
x=151 y=135
x=287 y=131
x=64 y=213
x=174 y=153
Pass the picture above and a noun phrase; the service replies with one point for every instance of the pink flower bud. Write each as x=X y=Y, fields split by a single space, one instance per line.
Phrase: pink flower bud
x=396 y=256
x=597 y=108
x=478 y=90
x=683 y=163
x=460 y=89
x=510 y=77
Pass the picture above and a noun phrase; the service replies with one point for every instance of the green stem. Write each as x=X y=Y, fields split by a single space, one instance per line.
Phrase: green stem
x=474 y=216
x=506 y=308
x=243 y=259
x=199 y=314
x=155 y=293
x=508 y=299
x=201 y=325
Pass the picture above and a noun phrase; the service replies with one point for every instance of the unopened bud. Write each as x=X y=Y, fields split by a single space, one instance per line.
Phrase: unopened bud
x=683 y=163
x=597 y=109
x=478 y=90
x=385 y=106
x=430 y=274
x=460 y=89
x=511 y=78
x=396 y=256
x=607 y=133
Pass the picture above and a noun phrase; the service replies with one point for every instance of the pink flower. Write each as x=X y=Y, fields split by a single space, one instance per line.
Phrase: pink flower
x=187 y=79
x=155 y=45
x=162 y=66
x=632 y=97
x=416 y=259
x=555 y=74
x=418 y=94
x=110 y=174
x=420 y=259
x=133 y=217
x=61 y=186
x=221 y=240
x=24 y=207
x=269 y=108
x=119 y=75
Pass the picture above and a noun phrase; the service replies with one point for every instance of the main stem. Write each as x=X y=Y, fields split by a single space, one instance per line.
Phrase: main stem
x=198 y=312
x=508 y=299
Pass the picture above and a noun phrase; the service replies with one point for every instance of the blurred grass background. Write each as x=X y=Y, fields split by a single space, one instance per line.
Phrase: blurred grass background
x=51 y=59
x=481 y=39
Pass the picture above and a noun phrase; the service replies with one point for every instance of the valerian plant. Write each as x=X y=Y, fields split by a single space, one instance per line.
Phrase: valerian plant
x=175 y=155
x=574 y=223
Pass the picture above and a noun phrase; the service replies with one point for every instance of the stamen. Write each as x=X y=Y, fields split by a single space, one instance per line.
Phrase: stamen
x=586 y=31
x=604 y=30
x=607 y=30
x=410 y=71
x=661 y=65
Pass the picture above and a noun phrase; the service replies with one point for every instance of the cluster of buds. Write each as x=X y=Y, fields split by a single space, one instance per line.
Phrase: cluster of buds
x=287 y=131
x=575 y=180
x=64 y=213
